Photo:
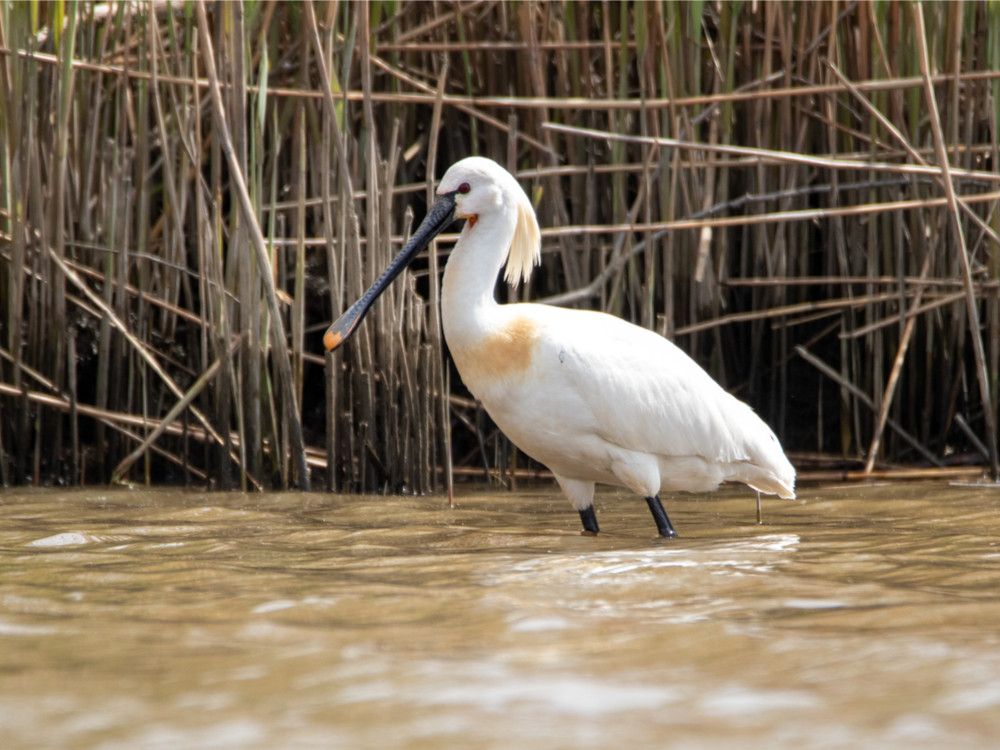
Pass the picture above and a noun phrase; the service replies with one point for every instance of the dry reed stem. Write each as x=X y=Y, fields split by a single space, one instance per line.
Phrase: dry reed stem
x=137 y=346
x=171 y=416
x=982 y=375
x=687 y=163
x=773 y=156
x=534 y=102
x=109 y=418
x=291 y=413
x=865 y=399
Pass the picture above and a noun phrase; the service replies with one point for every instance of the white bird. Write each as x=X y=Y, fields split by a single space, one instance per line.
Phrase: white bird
x=592 y=397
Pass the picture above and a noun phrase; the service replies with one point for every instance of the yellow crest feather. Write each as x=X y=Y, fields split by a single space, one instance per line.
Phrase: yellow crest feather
x=526 y=247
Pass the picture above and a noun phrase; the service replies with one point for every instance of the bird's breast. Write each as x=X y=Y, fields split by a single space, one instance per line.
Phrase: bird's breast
x=498 y=355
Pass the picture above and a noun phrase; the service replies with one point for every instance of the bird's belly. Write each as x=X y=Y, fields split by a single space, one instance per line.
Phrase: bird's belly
x=549 y=433
x=546 y=429
x=575 y=456
x=588 y=457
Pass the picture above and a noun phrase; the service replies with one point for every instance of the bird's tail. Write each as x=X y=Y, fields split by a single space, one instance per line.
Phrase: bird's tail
x=771 y=485
x=771 y=471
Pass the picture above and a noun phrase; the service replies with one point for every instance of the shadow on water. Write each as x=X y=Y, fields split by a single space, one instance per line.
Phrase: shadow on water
x=164 y=619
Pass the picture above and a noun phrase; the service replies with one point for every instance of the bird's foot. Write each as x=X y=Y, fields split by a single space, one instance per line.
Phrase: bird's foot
x=589 y=518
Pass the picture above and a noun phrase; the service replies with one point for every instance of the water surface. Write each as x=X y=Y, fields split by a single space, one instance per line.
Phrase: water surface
x=158 y=619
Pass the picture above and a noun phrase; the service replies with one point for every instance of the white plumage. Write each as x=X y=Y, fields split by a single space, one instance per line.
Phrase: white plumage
x=590 y=396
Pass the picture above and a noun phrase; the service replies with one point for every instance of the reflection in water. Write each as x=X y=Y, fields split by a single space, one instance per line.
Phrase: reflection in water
x=164 y=619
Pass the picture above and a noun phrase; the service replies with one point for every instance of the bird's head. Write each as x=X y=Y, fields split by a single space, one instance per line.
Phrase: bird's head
x=471 y=188
x=481 y=187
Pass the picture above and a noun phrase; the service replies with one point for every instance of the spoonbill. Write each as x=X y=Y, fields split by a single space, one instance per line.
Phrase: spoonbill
x=592 y=397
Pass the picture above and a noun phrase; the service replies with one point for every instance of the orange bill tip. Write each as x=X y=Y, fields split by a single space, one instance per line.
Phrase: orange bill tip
x=332 y=340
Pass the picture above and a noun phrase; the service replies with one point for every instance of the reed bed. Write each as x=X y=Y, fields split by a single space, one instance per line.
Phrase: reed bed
x=803 y=195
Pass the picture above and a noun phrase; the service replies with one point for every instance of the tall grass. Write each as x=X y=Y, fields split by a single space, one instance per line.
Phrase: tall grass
x=803 y=195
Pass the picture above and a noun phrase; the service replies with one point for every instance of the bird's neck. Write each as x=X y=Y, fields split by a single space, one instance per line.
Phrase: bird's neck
x=468 y=306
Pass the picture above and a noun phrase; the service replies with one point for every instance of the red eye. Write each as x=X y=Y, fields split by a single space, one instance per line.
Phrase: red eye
x=464 y=188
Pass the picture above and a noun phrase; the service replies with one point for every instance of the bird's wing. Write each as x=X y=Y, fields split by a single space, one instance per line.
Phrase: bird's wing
x=641 y=392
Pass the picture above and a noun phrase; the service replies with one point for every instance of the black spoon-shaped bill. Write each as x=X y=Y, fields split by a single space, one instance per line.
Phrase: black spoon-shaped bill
x=442 y=214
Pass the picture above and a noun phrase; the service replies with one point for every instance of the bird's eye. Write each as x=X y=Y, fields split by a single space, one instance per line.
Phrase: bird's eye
x=464 y=188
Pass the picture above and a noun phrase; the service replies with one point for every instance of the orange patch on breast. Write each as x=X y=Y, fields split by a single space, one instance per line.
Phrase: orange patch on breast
x=504 y=353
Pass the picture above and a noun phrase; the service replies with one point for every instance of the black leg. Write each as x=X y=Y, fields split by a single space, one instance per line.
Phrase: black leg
x=663 y=524
x=589 y=519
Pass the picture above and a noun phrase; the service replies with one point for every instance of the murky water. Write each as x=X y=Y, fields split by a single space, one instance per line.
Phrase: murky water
x=853 y=617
